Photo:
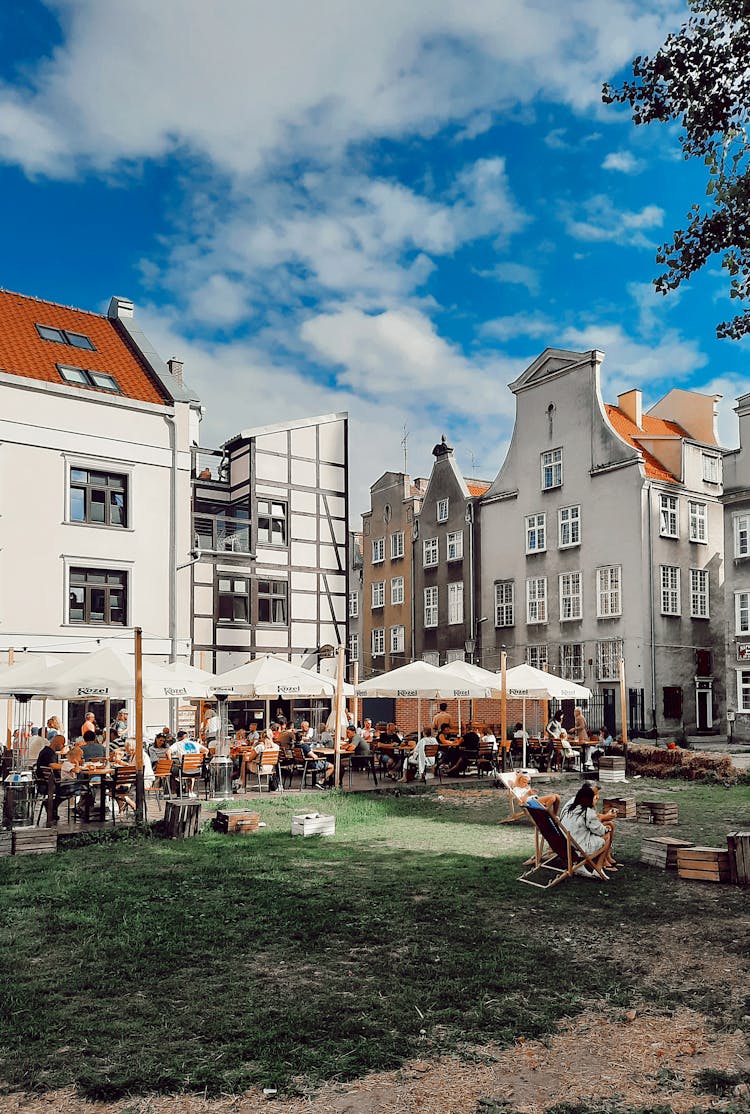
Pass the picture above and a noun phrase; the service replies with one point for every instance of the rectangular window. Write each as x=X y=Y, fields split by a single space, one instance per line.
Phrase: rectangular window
x=536 y=599
x=608 y=654
x=431 y=607
x=456 y=546
x=697 y=523
x=456 y=602
x=353 y=605
x=742 y=612
x=672 y=695
x=552 y=469
x=442 y=510
x=699 y=593
x=668 y=516
x=378 y=642
x=670 y=589
x=536 y=656
x=63 y=336
x=397 y=589
x=608 y=591
x=397 y=545
x=397 y=640
x=454 y=655
x=272 y=522
x=378 y=551
x=569 y=527
x=353 y=647
x=505 y=599
x=571 y=661
x=743 y=690
x=432 y=657
x=272 y=602
x=536 y=533
x=711 y=471
x=571 y=596
x=378 y=593
x=98 y=596
x=233 y=600
x=81 y=377
x=430 y=552
x=742 y=535
x=99 y=498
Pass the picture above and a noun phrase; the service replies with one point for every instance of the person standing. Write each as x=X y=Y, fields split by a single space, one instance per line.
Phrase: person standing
x=581 y=731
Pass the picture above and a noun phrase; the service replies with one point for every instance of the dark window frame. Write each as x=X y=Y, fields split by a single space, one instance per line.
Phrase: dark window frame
x=269 y=517
x=89 y=580
x=89 y=379
x=269 y=595
x=88 y=487
x=238 y=601
x=65 y=337
x=672 y=701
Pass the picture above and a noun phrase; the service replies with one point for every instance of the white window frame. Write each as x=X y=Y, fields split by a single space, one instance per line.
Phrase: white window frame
x=608 y=654
x=711 y=468
x=430 y=552
x=455 y=546
x=397 y=589
x=454 y=655
x=569 y=523
x=353 y=647
x=536 y=533
x=397 y=640
x=743 y=690
x=377 y=589
x=669 y=516
x=571 y=661
x=378 y=642
x=699 y=594
x=571 y=596
x=697 y=521
x=378 y=551
x=537 y=655
x=354 y=605
x=442 y=509
x=431 y=610
x=741 y=530
x=455 y=602
x=536 y=600
x=608 y=591
x=397 y=545
x=742 y=612
x=669 y=582
x=505 y=603
x=432 y=657
x=552 y=469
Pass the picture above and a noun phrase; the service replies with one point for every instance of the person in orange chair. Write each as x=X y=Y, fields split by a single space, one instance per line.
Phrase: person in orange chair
x=523 y=791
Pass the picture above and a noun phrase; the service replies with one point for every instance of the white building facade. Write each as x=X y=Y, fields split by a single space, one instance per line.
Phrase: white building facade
x=737 y=551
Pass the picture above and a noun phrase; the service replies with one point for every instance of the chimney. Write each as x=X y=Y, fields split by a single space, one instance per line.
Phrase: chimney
x=631 y=404
x=175 y=368
x=120 y=307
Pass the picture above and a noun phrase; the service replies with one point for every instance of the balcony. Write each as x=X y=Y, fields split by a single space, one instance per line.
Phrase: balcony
x=220 y=534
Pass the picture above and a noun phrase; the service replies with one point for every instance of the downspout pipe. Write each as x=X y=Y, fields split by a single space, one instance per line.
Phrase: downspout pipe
x=171 y=421
x=651 y=618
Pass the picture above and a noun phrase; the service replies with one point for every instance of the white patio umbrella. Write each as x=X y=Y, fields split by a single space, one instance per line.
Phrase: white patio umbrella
x=110 y=673
x=524 y=682
x=270 y=676
x=191 y=681
x=29 y=672
x=421 y=681
x=475 y=675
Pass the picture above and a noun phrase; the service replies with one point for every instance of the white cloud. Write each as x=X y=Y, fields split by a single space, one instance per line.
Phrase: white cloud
x=517 y=274
x=632 y=363
x=624 y=162
x=652 y=306
x=602 y=222
x=520 y=325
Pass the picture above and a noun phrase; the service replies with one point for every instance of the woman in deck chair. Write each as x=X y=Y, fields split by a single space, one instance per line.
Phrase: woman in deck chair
x=522 y=790
x=593 y=835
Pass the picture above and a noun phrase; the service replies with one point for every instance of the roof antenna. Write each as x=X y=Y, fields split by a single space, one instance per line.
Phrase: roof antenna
x=404 y=445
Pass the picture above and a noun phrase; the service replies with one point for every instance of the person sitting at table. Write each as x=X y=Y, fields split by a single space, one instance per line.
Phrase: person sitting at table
x=53 y=727
x=320 y=766
x=363 y=740
x=388 y=761
x=89 y=724
x=467 y=753
x=306 y=733
x=265 y=747
x=48 y=754
x=592 y=833
x=92 y=748
x=489 y=739
x=148 y=769
x=524 y=791
x=441 y=719
x=325 y=737
x=418 y=758
x=604 y=742
x=157 y=749
x=183 y=744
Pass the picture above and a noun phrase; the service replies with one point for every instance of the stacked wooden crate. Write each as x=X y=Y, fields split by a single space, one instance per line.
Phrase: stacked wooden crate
x=661 y=851
x=238 y=821
x=738 y=845
x=34 y=841
x=6 y=843
x=704 y=864
x=656 y=812
x=611 y=768
x=182 y=818
x=313 y=824
x=623 y=806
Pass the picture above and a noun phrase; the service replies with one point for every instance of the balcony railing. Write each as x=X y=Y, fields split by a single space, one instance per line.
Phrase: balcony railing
x=220 y=534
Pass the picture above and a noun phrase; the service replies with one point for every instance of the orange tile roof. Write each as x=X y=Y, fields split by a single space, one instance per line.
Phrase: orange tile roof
x=24 y=353
x=477 y=487
x=653 y=427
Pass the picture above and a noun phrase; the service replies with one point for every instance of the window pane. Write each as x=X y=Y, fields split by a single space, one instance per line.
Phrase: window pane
x=225 y=608
x=46 y=332
x=117 y=509
x=106 y=382
x=97 y=598
x=278 y=532
x=77 y=504
x=72 y=374
x=79 y=475
x=241 y=614
x=117 y=606
x=78 y=340
x=97 y=505
x=76 y=609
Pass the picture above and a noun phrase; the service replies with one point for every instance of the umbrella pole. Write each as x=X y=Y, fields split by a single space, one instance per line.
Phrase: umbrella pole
x=459 y=717
x=140 y=795
x=523 y=727
x=419 y=718
x=339 y=710
x=267 y=724
x=9 y=712
x=503 y=708
x=355 y=679
x=106 y=724
x=623 y=710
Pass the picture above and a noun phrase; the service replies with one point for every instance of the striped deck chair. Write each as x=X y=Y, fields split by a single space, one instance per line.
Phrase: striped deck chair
x=555 y=850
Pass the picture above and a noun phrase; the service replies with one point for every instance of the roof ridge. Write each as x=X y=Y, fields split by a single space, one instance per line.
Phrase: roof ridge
x=47 y=302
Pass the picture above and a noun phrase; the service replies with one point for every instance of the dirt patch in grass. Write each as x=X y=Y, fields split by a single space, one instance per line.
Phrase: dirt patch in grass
x=638 y=1059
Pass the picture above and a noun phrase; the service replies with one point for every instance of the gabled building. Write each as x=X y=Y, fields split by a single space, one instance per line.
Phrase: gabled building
x=736 y=499
x=356 y=570
x=446 y=623
x=602 y=538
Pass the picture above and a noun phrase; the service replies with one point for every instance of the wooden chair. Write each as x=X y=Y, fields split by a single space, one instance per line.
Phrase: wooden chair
x=486 y=761
x=121 y=785
x=191 y=768
x=268 y=768
x=162 y=786
x=431 y=751
x=555 y=850
x=517 y=811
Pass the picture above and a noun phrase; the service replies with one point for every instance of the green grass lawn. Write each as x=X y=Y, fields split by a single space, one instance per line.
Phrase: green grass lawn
x=225 y=961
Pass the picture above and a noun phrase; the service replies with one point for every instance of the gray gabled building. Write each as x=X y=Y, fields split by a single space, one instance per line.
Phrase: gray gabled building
x=736 y=500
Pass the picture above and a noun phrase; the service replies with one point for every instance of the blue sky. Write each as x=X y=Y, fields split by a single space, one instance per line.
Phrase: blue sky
x=388 y=208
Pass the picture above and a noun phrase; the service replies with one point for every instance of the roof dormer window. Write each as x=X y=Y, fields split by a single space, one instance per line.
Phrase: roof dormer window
x=63 y=336
x=79 y=377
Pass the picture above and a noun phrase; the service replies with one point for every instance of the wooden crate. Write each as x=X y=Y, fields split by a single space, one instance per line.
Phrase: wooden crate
x=738 y=845
x=182 y=818
x=704 y=864
x=6 y=843
x=313 y=823
x=661 y=851
x=34 y=841
x=624 y=806
x=238 y=820
x=612 y=762
x=656 y=812
x=607 y=776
